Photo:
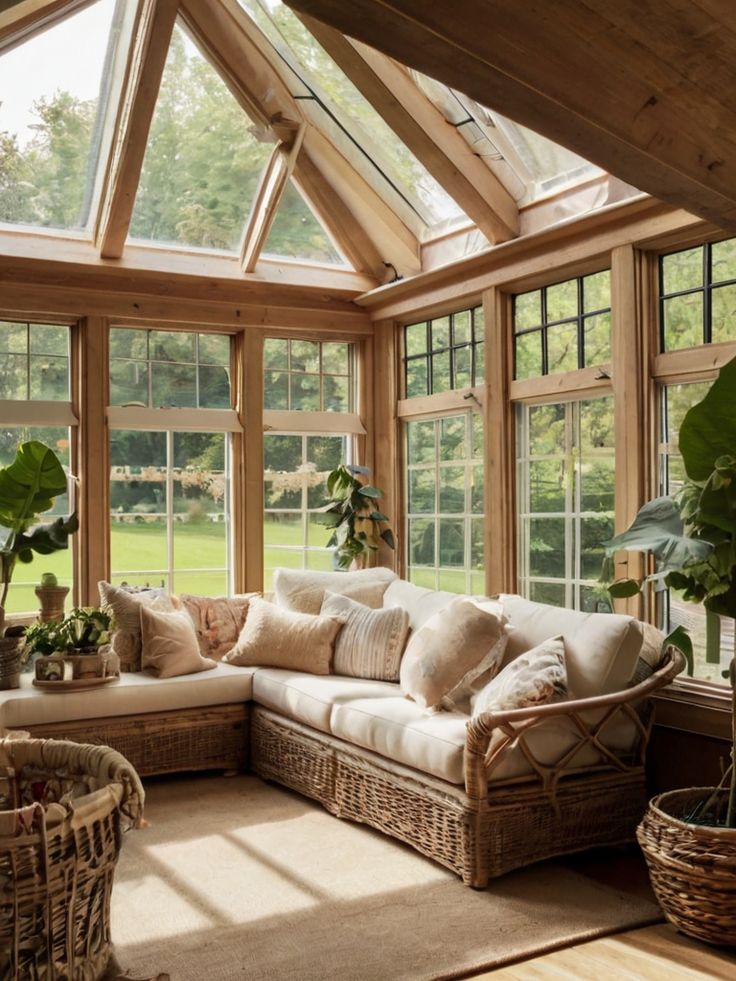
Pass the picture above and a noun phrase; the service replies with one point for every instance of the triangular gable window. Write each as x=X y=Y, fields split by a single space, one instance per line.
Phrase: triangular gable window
x=297 y=233
x=56 y=88
x=202 y=162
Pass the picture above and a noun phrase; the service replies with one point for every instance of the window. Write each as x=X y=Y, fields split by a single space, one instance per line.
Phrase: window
x=712 y=636
x=444 y=353
x=34 y=392
x=295 y=473
x=566 y=476
x=298 y=234
x=53 y=124
x=170 y=459
x=308 y=376
x=563 y=327
x=698 y=295
x=444 y=493
x=159 y=368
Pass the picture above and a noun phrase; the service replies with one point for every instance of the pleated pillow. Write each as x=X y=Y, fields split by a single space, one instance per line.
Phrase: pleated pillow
x=537 y=677
x=371 y=642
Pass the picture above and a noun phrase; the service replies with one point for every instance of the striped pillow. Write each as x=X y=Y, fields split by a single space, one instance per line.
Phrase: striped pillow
x=371 y=642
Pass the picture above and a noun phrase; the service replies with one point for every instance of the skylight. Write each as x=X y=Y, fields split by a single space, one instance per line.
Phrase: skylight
x=342 y=100
x=296 y=232
x=203 y=160
x=55 y=89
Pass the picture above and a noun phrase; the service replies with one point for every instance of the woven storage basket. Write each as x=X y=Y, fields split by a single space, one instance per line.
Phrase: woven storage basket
x=692 y=866
x=10 y=651
x=63 y=807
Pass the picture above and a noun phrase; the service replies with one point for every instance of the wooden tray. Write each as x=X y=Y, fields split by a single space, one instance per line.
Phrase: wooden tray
x=75 y=684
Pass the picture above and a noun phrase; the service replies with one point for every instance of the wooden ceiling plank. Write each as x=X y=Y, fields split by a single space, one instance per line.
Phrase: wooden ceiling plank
x=145 y=71
x=601 y=99
x=425 y=131
x=350 y=236
x=268 y=197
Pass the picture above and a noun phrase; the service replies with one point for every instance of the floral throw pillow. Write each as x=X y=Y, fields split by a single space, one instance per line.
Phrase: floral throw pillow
x=535 y=677
x=218 y=621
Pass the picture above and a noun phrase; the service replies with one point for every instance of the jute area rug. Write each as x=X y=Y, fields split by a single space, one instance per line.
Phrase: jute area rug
x=237 y=879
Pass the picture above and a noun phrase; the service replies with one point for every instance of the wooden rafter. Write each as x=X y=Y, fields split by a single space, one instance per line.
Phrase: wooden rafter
x=350 y=236
x=425 y=131
x=643 y=88
x=24 y=18
x=270 y=191
x=145 y=70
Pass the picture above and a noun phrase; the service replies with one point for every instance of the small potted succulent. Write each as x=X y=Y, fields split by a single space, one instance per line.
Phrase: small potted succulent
x=51 y=596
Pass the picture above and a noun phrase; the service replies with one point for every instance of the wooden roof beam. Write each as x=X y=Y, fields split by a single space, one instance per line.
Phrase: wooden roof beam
x=145 y=71
x=22 y=19
x=425 y=131
x=643 y=88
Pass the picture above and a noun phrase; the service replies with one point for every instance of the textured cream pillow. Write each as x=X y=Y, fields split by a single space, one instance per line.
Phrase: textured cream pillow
x=126 y=607
x=278 y=638
x=218 y=620
x=535 y=677
x=371 y=643
x=303 y=591
x=453 y=647
x=170 y=645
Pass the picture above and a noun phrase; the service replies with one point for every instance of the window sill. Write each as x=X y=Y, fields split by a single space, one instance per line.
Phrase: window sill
x=695 y=706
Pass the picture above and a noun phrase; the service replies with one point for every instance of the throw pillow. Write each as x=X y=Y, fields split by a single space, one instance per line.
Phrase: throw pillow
x=454 y=646
x=536 y=677
x=126 y=607
x=278 y=638
x=218 y=621
x=371 y=642
x=303 y=591
x=169 y=644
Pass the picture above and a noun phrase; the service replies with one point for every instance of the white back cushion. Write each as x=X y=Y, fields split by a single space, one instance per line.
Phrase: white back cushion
x=419 y=603
x=601 y=648
x=302 y=591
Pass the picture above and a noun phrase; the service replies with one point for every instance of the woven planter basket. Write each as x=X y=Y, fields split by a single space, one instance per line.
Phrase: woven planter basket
x=692 y=866
x=10 y=651
x=63 y=807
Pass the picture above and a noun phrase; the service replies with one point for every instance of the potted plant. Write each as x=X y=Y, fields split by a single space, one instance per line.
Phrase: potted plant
x=82 y=637
x=689 y=836
x=353 y=515
x=51 y=596
x=28 y=487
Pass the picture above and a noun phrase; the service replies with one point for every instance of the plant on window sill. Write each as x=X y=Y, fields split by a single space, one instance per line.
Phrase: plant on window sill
x=352 y=514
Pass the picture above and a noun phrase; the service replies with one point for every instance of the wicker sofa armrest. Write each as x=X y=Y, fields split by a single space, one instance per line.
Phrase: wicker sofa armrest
x=483 y=753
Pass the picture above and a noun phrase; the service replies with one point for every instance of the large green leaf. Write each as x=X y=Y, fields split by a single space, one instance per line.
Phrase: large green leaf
x=29 y=485
x=708 y=431
x=658 y=529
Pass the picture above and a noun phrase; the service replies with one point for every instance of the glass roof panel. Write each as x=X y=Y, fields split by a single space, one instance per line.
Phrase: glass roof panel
x=297 y=233
x=203 y=160
x=342 y=100
x=55 y=91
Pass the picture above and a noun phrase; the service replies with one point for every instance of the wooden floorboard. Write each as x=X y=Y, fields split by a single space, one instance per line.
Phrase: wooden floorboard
x=655 y=953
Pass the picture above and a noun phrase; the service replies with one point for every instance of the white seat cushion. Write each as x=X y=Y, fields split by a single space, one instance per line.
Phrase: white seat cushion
x=601 y=649
x=134 y=694
x=400 y=730
x=310 y=698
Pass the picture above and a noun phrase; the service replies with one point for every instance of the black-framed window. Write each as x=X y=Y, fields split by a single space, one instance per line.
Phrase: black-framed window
x=697 y=295
x=563 y=327
x=444 y=353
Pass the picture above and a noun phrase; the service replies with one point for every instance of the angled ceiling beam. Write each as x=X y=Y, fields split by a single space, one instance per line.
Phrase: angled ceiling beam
x=241 y=59
x=393 y=240
x=145 y=70
x=425 y=131
x=268 y=196
x=643 y=88
x=350 y=236
x=24 y=18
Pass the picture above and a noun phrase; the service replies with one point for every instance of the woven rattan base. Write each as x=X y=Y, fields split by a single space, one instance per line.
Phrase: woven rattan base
x=478 y=840
x=209 y=738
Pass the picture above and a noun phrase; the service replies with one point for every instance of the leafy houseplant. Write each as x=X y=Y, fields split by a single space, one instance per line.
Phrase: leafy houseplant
x=28 y=487
x=692 y=537
x=352 y=513
x=83 y=630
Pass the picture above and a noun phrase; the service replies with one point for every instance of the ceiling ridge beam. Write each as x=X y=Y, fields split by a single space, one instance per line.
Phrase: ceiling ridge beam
x=148 y=55
x=23 y=19
x=420 y=125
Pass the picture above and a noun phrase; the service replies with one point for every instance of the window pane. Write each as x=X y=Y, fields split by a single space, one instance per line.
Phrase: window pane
x=307 y=376
x=304 y=393
x=463 y=377
x=461 y=328
x=723 y=314
x=546 y=485
x=683 y=321
x=441 y=372
x=547 y=429
x=417 y=377
x=297 y=233
x=440 y=333
x=214 y=349
x=214 y=387
x=420 y=436
x=275 y=353
x=597 y=291
x=452 y=542
x=562 y=301
x=126 y=343
x=276 y=390
x=34 y=362
x=422 y=491
x=128 y=382
x=457 y=358
x=528 y=355
x=597 y=339
x=421 y=541
x=453 y=434
x=528 y=310
x=452 y=489
x=682 y=271
x=173 y=384
x=416 y=339
x=305 y=356
x=14 y=377
x=202 y=163
x=562 y=348
x=723 y=260
x=138 y=532
x=336 y=358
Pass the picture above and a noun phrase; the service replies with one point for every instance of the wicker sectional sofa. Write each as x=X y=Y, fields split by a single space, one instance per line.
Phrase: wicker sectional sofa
x=481 y=796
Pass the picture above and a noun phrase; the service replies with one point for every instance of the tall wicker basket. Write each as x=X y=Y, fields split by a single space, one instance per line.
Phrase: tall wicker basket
x=63 y=807
x=692 y=866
